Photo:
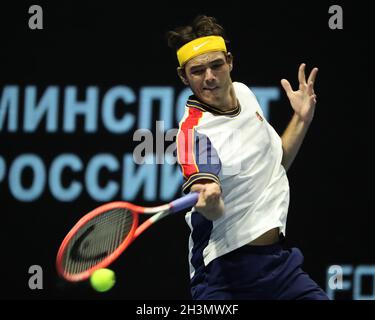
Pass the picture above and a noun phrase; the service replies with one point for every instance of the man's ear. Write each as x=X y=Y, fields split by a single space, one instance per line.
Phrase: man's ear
x=230 y=60
x=181 y=73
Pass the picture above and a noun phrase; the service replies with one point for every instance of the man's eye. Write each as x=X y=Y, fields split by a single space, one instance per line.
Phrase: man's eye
x=197 y=72
x=217 y=65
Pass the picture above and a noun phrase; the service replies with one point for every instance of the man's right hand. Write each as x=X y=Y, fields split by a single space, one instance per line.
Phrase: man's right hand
x=210 y=202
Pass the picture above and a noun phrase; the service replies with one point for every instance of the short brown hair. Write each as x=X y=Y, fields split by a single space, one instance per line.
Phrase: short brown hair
x=200 y=27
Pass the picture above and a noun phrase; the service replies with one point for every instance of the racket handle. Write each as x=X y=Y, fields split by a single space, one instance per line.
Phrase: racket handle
x=185 y=202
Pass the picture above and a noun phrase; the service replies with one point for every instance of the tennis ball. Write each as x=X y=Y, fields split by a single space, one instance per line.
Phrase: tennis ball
x=103 y=280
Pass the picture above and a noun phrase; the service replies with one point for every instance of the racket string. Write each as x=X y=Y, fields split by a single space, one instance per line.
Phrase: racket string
x=97 y=239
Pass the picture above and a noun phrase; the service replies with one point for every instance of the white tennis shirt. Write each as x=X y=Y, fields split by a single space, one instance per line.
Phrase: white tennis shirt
x=242 y=152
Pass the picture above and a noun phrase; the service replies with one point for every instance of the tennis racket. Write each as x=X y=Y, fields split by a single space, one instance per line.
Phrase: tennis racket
x=101 y=236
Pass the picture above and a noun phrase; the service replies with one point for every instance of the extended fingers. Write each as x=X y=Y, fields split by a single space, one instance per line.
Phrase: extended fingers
x=301 y=74
x=287 y=87
x=312 y=75
x=310 y=88
x=311 y=81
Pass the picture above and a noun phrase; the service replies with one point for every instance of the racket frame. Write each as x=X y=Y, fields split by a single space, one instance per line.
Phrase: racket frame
x=157 y=213
x=135 y=230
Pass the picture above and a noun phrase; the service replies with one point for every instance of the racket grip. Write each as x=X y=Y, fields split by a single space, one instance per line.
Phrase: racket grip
x=185 y=202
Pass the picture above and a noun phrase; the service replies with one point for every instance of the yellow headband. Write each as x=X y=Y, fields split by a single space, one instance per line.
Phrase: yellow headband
x=199 y=46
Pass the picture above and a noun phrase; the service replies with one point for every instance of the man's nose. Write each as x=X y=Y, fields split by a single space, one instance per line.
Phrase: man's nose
x=209 y=75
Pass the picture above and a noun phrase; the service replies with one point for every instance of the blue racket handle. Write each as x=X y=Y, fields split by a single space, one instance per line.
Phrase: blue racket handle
x=185 y=202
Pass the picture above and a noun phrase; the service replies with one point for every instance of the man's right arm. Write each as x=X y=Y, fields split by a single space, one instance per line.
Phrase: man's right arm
x=210 y=203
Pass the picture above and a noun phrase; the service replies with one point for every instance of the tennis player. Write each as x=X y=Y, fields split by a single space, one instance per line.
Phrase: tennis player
x=231 y=155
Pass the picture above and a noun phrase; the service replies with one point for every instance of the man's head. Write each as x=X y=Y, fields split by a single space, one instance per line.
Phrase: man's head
x=204 y=63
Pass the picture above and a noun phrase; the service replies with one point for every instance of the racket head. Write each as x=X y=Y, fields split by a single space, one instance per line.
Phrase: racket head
x=97 y=240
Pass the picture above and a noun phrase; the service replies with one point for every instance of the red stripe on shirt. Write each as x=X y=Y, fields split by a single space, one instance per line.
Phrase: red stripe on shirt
x=186 y=144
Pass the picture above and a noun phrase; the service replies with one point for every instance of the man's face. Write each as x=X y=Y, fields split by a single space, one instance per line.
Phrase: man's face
x=209 y=77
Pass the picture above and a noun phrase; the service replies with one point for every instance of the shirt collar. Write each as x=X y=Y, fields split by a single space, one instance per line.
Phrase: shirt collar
x=194 y=102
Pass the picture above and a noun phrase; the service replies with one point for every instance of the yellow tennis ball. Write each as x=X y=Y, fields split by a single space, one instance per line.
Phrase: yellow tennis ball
x=103 y=279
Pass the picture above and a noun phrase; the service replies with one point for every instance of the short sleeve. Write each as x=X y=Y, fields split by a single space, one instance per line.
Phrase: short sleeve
x=197 y=157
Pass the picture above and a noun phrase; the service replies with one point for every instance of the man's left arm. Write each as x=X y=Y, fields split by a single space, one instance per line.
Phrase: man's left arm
x=303 y=102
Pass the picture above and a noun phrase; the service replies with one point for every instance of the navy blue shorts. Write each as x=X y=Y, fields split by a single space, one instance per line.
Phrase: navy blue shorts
x=256 y=272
